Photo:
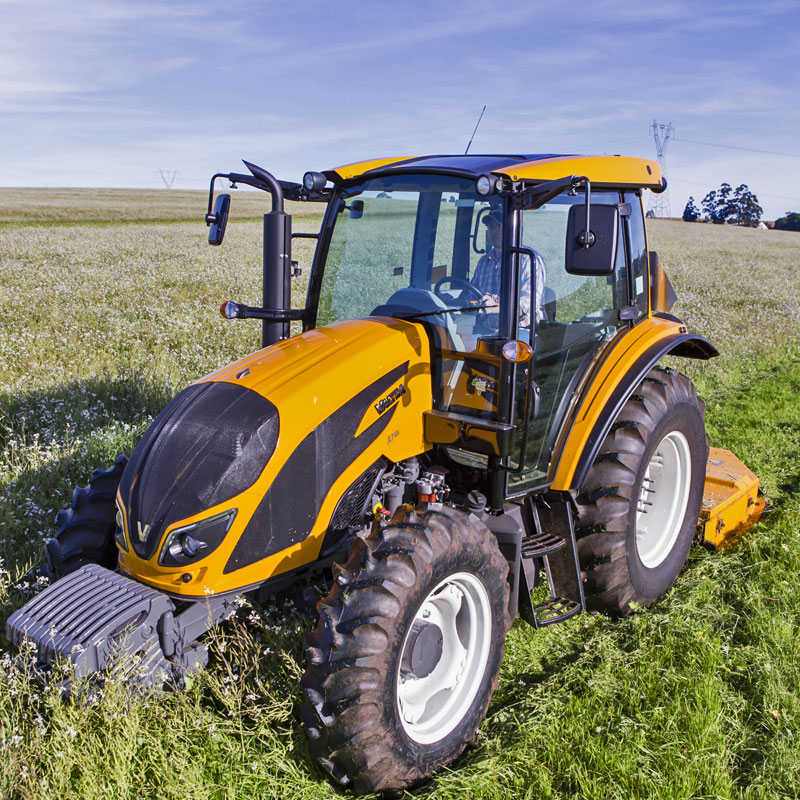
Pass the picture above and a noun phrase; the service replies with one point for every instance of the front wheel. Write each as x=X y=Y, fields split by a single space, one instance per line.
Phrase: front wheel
x=638 y=510
x=407 y=650
x=86 y=529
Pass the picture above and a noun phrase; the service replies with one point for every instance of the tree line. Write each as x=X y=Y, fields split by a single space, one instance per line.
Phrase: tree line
x=738 y=206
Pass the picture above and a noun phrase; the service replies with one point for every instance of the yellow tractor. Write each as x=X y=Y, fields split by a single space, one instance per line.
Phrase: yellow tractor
x=475 y=405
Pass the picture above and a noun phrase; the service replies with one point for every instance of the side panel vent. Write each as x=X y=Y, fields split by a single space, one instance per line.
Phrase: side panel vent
x=354 y=504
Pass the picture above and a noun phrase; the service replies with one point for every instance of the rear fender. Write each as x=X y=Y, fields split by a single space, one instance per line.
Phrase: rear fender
x=623 y=370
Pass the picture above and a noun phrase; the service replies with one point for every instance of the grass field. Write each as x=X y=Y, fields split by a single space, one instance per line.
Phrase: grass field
x=699 y=696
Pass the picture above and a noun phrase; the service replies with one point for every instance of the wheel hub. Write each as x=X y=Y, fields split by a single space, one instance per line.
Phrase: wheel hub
x=423 y=649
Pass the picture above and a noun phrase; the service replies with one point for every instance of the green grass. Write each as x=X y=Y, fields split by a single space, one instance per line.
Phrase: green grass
x=695 y=697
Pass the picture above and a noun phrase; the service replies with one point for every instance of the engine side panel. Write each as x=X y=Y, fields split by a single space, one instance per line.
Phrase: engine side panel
x=285 y=516
x=346 y=395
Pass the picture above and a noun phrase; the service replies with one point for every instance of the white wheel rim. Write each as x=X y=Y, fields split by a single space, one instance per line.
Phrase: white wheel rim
x=432 y=706
x=663 y=497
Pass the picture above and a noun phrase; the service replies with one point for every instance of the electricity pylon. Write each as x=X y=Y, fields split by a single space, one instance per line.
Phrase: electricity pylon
x=659 y=203
x=168 y=176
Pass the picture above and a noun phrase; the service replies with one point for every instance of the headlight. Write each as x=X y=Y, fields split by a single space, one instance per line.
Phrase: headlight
x=120 y=536
x=193 y=542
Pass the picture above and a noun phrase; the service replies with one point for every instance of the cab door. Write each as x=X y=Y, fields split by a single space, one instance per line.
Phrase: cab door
x=576 y=318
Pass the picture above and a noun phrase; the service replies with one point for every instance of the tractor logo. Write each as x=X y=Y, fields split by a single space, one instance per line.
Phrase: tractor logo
x=143 y=531
x=390 y=399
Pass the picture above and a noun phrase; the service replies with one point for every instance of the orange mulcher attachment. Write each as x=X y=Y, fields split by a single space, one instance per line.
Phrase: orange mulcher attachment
x=732 y=501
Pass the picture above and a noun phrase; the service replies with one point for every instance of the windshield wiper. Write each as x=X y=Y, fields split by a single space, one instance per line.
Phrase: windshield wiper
x=444 y=310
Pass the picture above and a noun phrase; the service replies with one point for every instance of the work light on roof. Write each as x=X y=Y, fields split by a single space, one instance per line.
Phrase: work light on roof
x=484 y=185
x=314 y=181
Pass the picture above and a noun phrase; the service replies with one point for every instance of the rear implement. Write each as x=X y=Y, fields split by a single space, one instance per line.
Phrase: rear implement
x=732 y=500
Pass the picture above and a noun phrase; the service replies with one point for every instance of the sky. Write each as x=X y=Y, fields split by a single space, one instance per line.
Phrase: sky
x=110 y=93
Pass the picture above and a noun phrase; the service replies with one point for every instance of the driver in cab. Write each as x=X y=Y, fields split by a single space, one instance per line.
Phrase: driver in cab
x=487 y=274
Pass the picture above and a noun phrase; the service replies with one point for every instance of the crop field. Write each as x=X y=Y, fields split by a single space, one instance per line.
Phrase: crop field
x=110 y=306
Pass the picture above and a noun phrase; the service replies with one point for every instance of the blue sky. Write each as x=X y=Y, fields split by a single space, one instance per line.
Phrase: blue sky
x=108 y=93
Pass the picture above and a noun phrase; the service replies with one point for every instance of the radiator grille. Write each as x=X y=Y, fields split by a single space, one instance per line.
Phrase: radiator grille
x=353 y=504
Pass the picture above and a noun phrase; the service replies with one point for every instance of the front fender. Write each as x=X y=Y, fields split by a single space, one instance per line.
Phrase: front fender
x=614 y=382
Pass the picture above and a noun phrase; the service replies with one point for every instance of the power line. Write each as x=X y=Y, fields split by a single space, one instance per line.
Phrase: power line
x=615 y=144
x=737 y=147
x=705 y=186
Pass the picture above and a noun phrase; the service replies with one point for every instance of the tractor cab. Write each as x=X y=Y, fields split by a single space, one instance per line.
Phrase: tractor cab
x=514 y=311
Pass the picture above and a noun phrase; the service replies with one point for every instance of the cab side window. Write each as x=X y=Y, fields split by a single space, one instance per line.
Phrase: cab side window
x=638 y=251
x=569 y=298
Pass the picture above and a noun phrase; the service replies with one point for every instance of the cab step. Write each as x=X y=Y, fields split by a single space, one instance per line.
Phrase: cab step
x=555 y=610
x=541 y=544
x=550 y=543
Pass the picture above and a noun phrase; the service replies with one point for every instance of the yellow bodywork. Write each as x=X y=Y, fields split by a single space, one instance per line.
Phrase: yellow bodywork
x=601 y=385
x=291 y=375
x=347 y=171
x=610 y=170
x=731 y=499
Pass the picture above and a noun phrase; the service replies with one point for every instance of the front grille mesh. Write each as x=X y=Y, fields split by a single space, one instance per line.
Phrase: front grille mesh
x=353 y=503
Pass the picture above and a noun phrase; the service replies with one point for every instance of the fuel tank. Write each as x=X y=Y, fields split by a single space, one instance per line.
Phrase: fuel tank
x=238 y=478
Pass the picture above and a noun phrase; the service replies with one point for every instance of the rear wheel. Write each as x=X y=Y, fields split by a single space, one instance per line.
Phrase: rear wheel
x=638 y=510
x=86 y=529
x=407 y=650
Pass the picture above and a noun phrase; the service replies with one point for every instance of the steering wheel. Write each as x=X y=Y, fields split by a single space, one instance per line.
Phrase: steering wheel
x=473 y=292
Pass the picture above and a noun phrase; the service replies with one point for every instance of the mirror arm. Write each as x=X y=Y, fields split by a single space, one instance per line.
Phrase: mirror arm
x=260 y=179
x=210 y=217
x=241 y=311
x=586 y=237
x=538 y=195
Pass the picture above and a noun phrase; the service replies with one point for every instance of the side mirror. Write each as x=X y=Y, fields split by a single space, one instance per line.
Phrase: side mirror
x=356 y=209
x=219 y=219
x=599 y=257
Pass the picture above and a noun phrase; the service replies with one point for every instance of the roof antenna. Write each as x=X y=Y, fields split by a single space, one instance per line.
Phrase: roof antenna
x=475 y=131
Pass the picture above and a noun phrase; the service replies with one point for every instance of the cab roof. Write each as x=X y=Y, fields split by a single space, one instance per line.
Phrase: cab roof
x=611 y=170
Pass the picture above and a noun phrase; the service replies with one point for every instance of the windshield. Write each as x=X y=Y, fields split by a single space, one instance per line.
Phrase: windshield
x=409 y=247
x=426 y=248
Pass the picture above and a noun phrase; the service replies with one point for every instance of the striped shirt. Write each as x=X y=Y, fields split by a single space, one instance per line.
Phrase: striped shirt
x=487 y=279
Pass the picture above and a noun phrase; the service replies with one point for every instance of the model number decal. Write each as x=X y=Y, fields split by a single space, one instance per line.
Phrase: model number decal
x=392 y=436
x=390 y=399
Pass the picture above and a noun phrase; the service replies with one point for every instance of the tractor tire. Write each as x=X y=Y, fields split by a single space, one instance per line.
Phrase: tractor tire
x=638 y=509
x=86 y=529
x=407 y=650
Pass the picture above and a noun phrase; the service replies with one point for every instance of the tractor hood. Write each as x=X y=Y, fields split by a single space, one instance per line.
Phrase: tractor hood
x=252 y=459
